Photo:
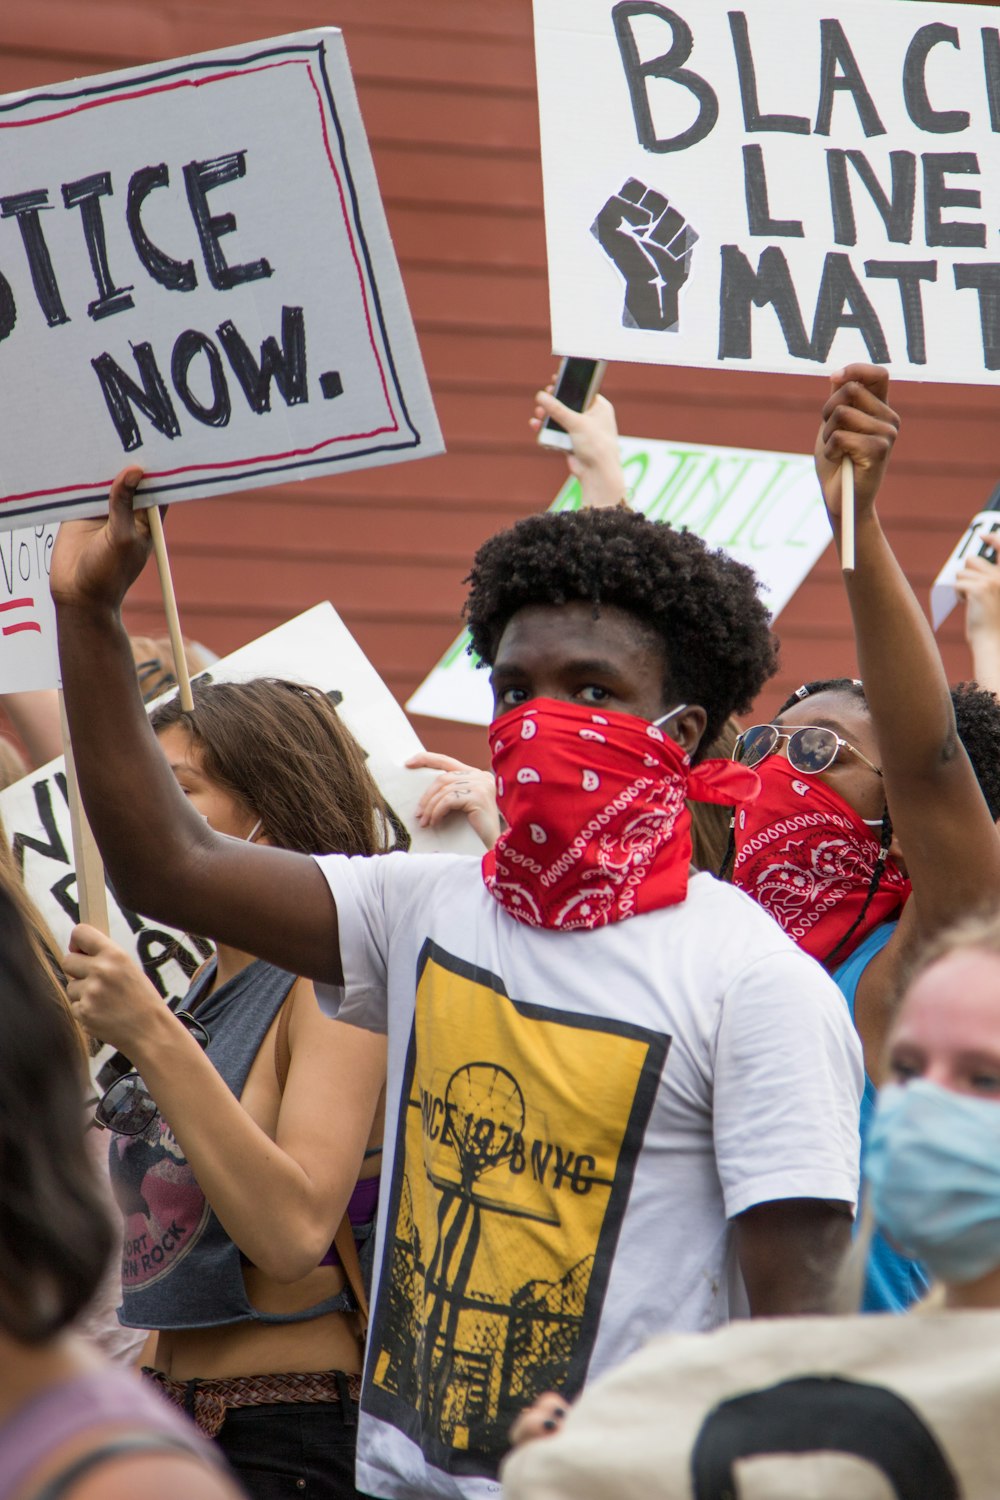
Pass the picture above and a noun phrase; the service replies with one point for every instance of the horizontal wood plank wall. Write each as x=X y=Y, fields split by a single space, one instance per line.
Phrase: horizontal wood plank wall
x=447 y=91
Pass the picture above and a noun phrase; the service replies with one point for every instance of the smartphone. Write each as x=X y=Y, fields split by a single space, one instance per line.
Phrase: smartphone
x=577 y=384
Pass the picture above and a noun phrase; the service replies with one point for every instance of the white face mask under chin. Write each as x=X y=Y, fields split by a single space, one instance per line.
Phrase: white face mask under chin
x=243 y=838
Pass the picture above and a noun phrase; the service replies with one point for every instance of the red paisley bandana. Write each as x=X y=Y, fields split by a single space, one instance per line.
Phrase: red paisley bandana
x=599 y=830
x=807 y=858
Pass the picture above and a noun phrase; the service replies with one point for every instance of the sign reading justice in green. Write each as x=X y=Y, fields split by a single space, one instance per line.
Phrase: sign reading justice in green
x=764 y=509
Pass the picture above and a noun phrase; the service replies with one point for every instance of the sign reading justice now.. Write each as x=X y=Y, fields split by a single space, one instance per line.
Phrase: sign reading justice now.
x=196 y=275
x=773 y=186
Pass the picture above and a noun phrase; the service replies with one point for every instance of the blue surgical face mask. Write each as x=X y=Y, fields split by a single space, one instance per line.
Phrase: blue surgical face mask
x=933 y=1172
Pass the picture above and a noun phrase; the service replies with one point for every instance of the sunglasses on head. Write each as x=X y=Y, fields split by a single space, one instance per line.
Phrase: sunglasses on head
x=127 y=1107
x=811 y=749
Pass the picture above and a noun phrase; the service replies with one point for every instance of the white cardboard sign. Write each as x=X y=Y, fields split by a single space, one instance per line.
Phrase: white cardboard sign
x=29 y=652
x=944 y=596
x=196 y=276
x=783 y=187
x=764 y=509
x=314 y=648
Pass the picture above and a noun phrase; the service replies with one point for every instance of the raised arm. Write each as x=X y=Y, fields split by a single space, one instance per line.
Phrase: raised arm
x=595 y=459
x=163 y=859
x=947 y=837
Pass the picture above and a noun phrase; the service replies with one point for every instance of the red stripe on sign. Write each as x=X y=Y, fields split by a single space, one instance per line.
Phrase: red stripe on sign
x=18 y=604
x=28 y=625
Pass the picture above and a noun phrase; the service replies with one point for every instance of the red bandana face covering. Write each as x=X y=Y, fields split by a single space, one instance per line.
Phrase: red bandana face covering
x=807 y=858
x=595 y=802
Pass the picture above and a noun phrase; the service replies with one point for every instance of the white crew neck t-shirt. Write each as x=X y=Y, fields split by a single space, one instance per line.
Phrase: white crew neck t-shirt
x=571 y=1120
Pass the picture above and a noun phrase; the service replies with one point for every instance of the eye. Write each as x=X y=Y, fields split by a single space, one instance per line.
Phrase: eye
x=985 y=1083
x=510 y=697
x=594 y=694
x=903 y=1069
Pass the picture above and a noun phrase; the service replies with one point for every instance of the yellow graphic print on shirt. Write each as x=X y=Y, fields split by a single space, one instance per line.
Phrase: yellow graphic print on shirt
x=518 y=1134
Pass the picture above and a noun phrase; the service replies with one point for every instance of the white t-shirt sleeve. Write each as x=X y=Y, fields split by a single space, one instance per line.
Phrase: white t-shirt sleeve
x=357 y=885
x=788 y=1083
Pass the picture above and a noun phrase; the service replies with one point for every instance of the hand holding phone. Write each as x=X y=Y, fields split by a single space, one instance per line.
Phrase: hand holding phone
x=576 y=386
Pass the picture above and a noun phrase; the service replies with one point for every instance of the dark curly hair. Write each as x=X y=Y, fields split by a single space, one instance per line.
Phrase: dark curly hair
x=701 y=604
x=977 y=719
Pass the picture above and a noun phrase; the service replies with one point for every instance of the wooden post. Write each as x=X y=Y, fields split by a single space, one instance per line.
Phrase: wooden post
x=90 y=885
x=170 y=608
x=847 y=514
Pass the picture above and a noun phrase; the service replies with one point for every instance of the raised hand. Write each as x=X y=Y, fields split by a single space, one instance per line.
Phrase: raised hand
x=651 y=244
x=595 y=458
x=96 y=562
x=857 y=422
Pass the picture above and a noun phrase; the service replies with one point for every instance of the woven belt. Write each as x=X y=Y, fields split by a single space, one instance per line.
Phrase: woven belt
x=207 y=1401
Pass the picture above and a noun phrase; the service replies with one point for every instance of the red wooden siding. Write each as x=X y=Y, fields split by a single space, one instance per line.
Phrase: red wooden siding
x=447 y=91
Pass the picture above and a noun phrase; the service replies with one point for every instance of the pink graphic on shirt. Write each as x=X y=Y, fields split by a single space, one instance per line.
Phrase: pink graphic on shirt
x=164 y=1209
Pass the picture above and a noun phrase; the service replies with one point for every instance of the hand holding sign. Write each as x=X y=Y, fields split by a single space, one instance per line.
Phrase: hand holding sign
x=96 y=562
x=856 y=423
x=651 y=245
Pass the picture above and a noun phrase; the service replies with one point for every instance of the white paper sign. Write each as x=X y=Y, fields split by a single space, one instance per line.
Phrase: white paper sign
x=315 y=648
x=196 y=276
x=29 y=653
x=783 y=187
x=943 y=593
x=764 y=509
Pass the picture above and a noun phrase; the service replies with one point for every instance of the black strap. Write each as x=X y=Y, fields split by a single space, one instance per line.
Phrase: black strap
x=123 y=1447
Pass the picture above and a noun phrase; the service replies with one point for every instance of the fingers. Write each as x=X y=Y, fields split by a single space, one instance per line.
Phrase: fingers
x=87 y=939
x=542 y=1419
x=435 y=762
x=548 y=406
x=873 y=377
x=454 y=792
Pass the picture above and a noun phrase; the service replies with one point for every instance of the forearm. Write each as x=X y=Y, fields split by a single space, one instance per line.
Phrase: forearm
x=144 y=829
x=985 y=648
x=237 y=1165
x=904 y=678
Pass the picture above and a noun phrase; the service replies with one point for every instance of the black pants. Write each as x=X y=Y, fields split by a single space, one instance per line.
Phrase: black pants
x=300 y=1451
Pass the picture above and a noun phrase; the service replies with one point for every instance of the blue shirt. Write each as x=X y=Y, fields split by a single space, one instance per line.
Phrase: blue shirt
x=892 y=1282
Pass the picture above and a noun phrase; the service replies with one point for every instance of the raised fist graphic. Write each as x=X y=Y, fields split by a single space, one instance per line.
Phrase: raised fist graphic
x=651 y=244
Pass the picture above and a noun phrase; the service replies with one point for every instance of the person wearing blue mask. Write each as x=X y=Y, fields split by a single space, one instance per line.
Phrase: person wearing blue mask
x=870 y=1407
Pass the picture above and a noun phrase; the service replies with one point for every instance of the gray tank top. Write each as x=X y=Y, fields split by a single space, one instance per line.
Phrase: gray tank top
x=180 y=1269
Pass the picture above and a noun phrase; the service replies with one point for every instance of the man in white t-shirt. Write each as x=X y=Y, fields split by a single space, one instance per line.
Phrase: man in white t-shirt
x=619 y=1102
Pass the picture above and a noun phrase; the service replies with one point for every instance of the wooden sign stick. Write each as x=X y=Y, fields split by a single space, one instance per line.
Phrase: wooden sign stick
x=90 y=887
x=847 y=514
x=170 y=608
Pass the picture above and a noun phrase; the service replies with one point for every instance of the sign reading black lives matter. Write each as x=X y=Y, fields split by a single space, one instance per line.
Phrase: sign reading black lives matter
x=773 y=186
x=196 y=276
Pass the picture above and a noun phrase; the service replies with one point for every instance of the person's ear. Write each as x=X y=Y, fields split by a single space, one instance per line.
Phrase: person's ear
x=688 y=728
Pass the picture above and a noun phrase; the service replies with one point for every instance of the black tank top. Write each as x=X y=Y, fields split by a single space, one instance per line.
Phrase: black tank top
x=180 y=1269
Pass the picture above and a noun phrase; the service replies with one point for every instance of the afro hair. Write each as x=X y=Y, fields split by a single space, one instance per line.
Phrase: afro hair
x=701 y=604
x=977 y=719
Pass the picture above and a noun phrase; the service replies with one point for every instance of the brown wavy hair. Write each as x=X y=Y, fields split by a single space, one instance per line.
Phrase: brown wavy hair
x=283 y=752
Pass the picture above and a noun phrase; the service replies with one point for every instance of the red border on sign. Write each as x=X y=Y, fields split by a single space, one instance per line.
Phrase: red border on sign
x=237 y=463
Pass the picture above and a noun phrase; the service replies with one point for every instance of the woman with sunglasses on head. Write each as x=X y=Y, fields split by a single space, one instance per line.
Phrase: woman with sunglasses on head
x=874 y=827
x=250 y=1122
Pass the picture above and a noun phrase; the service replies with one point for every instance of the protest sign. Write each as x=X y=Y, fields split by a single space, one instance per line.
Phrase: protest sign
x=29 y=655
x=773 y=187
x=764 y=509
x=196 y=276
x=314 y=648
x=973 y=542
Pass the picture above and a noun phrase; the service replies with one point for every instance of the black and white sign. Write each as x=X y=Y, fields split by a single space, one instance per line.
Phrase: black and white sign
x=771 y=186
x=196 y=275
